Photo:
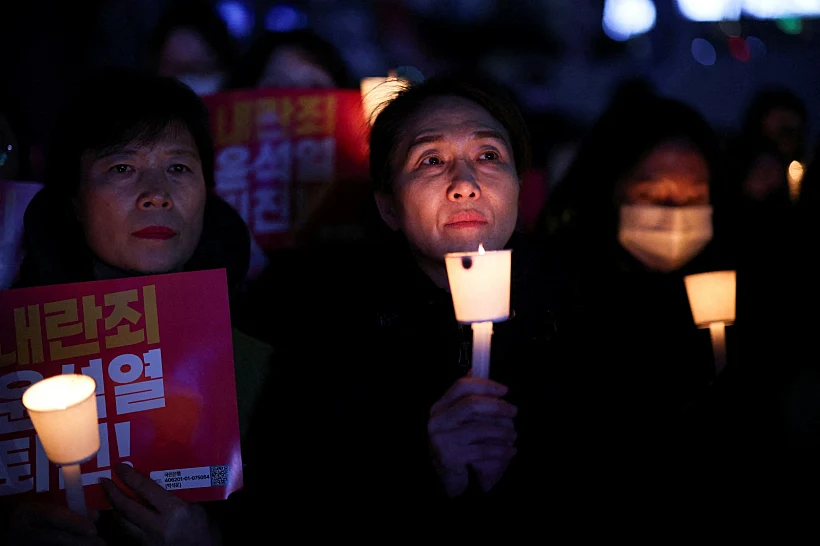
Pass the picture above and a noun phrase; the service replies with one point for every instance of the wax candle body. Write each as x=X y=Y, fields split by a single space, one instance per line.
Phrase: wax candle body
x=480 y=285
x=717 y=330
x=482 y=336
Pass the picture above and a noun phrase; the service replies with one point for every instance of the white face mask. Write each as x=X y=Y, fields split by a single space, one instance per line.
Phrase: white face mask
x=202 y=84
x=665 y=238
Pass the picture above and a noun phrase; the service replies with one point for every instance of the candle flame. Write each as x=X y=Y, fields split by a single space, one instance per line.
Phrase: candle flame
x=480 y=248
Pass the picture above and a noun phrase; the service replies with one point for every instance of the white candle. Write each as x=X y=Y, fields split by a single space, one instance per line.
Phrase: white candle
x=63 y=410
x=480 y=284
x=718 y=332
x=482 y=335
x=480 y=288
x=712 y=299
x=74 y=495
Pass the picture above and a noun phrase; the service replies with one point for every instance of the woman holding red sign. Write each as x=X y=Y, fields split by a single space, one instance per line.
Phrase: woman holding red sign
x=128 y=193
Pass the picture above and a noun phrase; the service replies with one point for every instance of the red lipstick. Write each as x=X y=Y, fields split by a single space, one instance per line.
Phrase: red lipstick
x=466 y=219
x=155 y=232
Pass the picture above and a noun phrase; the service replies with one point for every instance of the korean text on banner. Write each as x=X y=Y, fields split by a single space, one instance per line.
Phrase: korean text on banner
x=162 y=357
x=290 y=159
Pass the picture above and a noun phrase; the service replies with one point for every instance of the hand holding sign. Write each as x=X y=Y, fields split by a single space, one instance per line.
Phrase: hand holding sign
x=156 y=516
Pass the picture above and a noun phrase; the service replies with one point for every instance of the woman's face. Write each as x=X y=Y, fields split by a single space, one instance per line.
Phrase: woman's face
x=290 y=68
x=142 y=207
x=455 y=183
x=672 y=174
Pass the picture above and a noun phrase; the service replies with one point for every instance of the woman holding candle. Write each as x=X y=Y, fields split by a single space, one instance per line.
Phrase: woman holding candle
x=128 y=192
x=407 y=428
x=635 y=216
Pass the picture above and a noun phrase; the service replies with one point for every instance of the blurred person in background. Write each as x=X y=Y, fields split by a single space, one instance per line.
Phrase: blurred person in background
x=14 y=167
x=638 y=210
x=760 y=200
x=15 y=163
x=303 y=60
x=191 y=43
x=296 y=59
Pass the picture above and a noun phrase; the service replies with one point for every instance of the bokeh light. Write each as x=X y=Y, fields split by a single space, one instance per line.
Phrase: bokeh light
x=730 y=28
x=238 y=16
x=283 y=18
x=703 y=51
x=738 y=49
x=710 y=10
x=790 y=25
x=626 y=18
x=756 y=47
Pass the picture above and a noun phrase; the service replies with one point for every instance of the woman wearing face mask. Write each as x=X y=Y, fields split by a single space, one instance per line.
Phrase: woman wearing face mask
x=637 y=211
x=192 y=43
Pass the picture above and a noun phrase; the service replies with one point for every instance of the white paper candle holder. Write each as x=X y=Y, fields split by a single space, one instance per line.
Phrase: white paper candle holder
x=63 y=410
x=712 y=298
x=480 y=285
x=480 y=288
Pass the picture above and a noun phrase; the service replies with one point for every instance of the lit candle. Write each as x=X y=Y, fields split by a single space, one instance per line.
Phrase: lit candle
x=480 y=287
x=712 y=300
x=63 y=410
x=795 y=177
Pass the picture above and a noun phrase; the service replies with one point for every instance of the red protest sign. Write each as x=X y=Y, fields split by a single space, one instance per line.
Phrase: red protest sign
x=162 y=357
x=289 y=159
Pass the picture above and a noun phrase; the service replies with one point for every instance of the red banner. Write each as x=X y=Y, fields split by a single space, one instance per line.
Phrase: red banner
x=160 y=350
x=290 y=159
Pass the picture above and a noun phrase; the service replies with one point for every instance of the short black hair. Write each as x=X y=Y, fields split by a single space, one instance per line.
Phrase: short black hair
x=117 y=106
x=389 y=126
x=320 y=51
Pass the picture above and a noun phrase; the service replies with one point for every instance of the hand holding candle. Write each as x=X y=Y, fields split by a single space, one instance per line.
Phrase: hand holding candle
x=712 y=299
x=63 y=410
x=480 y=287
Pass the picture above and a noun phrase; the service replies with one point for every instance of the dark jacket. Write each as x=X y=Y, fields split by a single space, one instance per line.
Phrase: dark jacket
x=376 y=344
